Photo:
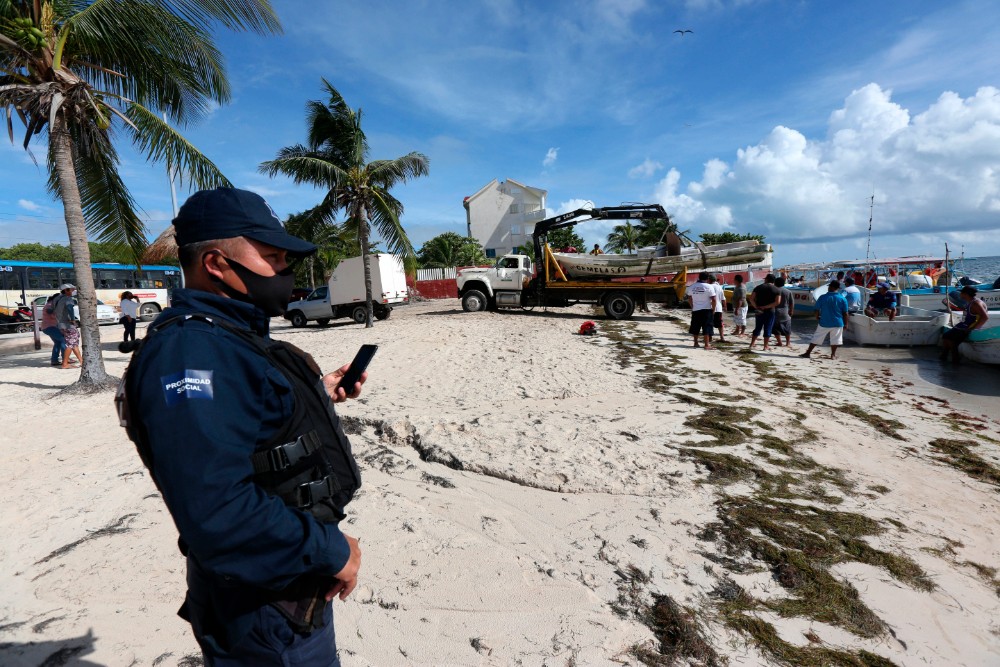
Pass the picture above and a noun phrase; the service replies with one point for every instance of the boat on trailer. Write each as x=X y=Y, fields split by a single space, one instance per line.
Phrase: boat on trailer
x=647 y=262
x=911 y=326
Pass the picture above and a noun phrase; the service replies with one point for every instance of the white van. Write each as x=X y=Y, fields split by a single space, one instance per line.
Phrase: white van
x=344 y=295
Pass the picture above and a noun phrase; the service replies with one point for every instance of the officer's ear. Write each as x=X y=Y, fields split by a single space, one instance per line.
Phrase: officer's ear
x=214 y=263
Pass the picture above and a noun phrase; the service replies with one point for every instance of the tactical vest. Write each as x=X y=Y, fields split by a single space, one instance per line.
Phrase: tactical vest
x=308 y=463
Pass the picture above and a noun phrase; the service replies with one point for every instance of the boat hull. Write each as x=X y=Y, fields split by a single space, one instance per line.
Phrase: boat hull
x=724 y=257
x=983 y=345
x=933 y=298
x=912 y=326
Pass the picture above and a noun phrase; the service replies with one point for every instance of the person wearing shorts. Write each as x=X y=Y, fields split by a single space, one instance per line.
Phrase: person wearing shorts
x=720 y=306
x=764 y=299
x=976 y=315
x=702 y=299
x=739 y=306
x=883 y=302
x=831 y=311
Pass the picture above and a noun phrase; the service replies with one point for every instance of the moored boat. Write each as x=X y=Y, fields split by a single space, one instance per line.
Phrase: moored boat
x=983 y=345
x=911 y=326
x=723 y=257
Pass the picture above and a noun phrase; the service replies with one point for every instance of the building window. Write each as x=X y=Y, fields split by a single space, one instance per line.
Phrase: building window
x=491 y=253
x=515 y=229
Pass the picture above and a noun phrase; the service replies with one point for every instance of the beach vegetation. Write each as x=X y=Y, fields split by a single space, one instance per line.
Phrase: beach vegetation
x=335 y=159
x=729 y=237
x=623 y=239
x=78 y=74
x=959 y=454
x=451 y=249
x=884 y=425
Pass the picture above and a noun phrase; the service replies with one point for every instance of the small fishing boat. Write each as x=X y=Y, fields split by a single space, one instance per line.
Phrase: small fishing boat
x=911 y=326
x=722 y=257
x=983 y=345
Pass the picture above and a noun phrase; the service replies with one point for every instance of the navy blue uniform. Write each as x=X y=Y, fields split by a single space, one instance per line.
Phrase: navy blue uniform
x=207 y=399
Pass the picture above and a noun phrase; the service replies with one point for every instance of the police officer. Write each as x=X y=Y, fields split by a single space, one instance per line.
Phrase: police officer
x=240 y=435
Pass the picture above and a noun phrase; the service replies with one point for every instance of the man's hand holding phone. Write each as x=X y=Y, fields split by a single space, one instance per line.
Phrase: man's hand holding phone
x=346 y=381
x=339 y=394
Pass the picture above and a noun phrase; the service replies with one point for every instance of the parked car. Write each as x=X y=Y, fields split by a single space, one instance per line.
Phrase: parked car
x=105 y=314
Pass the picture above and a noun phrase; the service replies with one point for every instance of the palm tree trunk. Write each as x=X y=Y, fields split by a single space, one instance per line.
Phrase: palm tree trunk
x=92 y=375
x=363 y=237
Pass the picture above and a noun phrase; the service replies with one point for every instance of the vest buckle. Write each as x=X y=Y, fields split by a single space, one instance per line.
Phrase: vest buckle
x=310 y=493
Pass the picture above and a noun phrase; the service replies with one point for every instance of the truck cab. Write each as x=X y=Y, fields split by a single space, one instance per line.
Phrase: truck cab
x=498 y=286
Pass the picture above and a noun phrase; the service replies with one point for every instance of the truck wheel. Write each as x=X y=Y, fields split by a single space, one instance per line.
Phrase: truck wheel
x=619 y=306
x=297 y=318
x=383 y=313
x=473 y=301
x=323 y=321
x=360 y=314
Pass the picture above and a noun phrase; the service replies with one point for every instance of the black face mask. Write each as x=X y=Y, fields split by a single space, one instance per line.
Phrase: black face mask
x=269 y=293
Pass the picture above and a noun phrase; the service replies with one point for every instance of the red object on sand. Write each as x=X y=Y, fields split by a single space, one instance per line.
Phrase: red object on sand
x=588 y=328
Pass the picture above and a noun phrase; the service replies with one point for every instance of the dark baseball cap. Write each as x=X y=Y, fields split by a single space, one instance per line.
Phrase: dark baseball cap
x=225 y=213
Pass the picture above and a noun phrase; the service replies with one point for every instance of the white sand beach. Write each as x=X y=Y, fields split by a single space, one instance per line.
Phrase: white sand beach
x=536 y=497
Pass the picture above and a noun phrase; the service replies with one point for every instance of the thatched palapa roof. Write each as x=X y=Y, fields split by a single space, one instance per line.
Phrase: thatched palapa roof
x=163 y=247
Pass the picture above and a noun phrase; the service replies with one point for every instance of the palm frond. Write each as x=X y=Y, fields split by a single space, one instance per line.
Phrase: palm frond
x=388 y=173
x=142 y=51
x=384 y=211
x=108 y=207
x=305 y=168
x=160 y=142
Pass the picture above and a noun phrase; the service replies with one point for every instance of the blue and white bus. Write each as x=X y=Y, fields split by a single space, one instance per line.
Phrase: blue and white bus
x=21 y=282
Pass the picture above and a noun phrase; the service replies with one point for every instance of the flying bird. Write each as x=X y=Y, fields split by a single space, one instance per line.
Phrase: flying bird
x=683 y=32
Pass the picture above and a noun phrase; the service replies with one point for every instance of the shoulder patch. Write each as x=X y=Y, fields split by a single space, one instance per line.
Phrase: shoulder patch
x=187 y=384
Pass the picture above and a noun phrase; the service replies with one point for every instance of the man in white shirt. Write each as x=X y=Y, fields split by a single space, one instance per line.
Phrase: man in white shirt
x=701 y=297
x=720 y=305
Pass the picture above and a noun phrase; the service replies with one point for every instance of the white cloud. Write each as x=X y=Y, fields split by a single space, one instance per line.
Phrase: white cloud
x=28 y=205
x=646 y=169
x=551 y=156
x=934 y=172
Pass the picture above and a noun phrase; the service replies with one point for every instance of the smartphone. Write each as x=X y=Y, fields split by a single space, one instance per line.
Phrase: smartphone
x=358 y=366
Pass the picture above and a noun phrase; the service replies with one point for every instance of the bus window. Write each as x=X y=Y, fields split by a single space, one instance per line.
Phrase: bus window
x=152 y=280
x=46 y=279
x=113 y=279
x=67 y=276
x=11 y=280
x=173 y=279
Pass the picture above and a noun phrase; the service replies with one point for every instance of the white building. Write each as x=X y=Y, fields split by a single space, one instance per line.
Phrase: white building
x=502 y=215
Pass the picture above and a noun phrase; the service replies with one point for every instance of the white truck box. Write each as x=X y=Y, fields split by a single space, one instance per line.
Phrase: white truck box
x=344 y=295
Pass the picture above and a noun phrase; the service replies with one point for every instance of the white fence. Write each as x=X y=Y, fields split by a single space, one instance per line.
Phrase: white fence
x=435 y=274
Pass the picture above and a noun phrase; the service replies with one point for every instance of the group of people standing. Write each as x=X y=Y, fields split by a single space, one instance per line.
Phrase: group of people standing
x=61 y=323
x=772 y=303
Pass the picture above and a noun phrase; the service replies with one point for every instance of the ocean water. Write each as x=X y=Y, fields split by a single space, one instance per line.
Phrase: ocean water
x=986 y=269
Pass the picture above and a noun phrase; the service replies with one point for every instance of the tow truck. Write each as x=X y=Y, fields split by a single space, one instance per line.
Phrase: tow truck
x=513 y=282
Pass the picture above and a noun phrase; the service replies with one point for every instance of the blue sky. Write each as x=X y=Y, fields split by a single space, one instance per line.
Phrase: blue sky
x=772 y=116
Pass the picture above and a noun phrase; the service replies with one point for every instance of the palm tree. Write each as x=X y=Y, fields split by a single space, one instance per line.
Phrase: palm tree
x=333 y=241
x=623 y=238
x=335 y=158
x=450 y=249
x=84 y=70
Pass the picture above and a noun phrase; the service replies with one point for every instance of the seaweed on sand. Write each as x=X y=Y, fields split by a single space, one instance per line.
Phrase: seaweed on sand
x=959 y=454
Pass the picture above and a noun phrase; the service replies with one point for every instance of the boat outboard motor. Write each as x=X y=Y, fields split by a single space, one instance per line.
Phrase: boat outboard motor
x=996 y=284
x=966 y=281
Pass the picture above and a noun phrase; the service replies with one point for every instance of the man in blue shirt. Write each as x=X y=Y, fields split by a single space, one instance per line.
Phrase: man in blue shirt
x=240 y=435
x=831 y=311
x=883 y=302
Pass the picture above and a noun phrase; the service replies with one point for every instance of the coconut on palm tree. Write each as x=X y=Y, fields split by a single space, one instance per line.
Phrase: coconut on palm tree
x=81 y=71
x=335 y=158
